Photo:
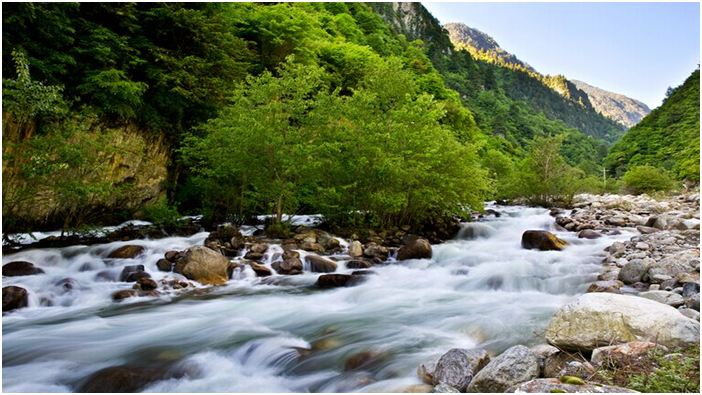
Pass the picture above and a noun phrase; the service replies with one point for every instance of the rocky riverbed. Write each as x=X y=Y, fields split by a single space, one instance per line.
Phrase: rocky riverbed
x=521 y=300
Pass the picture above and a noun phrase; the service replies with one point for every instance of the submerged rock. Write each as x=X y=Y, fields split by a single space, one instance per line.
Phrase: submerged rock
x=588 y=234
x=516 y=365
x=600 y=319
x=20 y=268
x=121 y=379
x=124 y=294
x=542 y=240
x=14 y=297
x=127 y=252
x=320 y=265
x=415 y=248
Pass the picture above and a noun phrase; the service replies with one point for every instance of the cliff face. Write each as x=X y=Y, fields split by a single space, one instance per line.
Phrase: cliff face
x=614 y=106
x=131 y=168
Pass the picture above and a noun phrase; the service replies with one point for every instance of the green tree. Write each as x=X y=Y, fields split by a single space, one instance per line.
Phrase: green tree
x=646 y=179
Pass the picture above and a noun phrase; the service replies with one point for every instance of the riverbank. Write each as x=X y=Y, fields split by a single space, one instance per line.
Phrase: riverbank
x=312 y=312
x=638 y=325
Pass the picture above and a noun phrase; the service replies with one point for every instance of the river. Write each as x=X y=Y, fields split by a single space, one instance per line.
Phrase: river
x=254 y=335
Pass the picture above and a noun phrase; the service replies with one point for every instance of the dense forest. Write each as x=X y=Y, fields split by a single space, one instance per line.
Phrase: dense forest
x=328 y=108
x=668 y=138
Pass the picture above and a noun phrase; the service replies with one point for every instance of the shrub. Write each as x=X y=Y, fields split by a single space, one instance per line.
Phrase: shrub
x=646 y=179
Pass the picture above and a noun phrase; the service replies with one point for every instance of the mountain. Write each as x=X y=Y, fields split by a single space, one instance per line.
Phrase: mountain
x=618 y=108
x=614 y=106
x=668 y=137
x=506 y=95
x=482 y=46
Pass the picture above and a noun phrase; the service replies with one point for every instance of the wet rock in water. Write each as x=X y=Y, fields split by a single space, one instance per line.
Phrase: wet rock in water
x=20 y=268
x=124 y=294
x=121 y=379
x=333 y=280
x=444 y=389
x=320 y=265
x=290 y=266
x=633 y=271
x=164 y=265
x=253 y=256
x=127 y=252
x=172 y=255
x=516 y=365
x=130 y=270
x=373 y=250
x=415 y=248
x=665 y=297
x=600 y=319
x=426 y=369
x=258 y=248
x=647 y=230
x=204 y=265
x=555 y=386
x=146 y=284
x=605 y=286
x=14 y=297
x=260 y=270
x=588 y=234
x=458 y=367
x=355 y=249
x=358 y=264
x=361 y=359
x=290 y=254
x=107 y=275
x=328 y=242
x=542 y=240
x=623 y=355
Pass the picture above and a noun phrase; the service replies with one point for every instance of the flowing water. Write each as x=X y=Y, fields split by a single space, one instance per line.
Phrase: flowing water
x=268 y=335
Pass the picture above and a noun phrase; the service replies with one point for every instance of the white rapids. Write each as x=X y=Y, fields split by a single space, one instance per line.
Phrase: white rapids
x=261 y=335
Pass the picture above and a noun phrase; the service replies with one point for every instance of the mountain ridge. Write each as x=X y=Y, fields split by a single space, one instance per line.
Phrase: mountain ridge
x=619 y=108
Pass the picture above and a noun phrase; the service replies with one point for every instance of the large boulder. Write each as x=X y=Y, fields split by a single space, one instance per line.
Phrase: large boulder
x=415 y=248
x=14 y=298
x=545 y=386
x=127 y=252
x=328 y=242
x=319 y=264
x=204 y=265
x=20 y=268
x=516 y=365
x=373 y=250
x=289 y=266
x=458 y=367
x=600 y=319
x=339 y=280
x=542 y=240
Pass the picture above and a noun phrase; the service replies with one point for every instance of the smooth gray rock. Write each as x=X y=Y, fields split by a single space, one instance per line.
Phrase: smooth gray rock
x=516 y=365
x=633 y=272
x=601 y=319
x=458 y=367
x=665 y=297
x=545 y=386
x=444 y=389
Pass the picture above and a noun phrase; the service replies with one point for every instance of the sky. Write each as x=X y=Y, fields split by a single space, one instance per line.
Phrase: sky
x=636 y=49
